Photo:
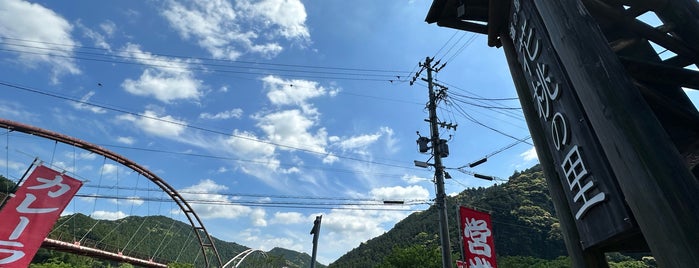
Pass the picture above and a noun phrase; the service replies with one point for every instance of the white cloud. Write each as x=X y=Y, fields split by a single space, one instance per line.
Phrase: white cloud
x=164 y=86
x=108 y=215
x=166 y=79
x=126 y=140
x=64 y=166
x=262 y=155
x=15 y=110
x=291 y=92
x=99 y=39
x=258 y=217
x=40 y=36
x=87 y=155
x=152 y=123
x=134 y=200
x=287 y=218
x=391 y=141
x=270 y=242
x=361 y=143
x=412 y=179
x=131 y=200
x=345 y=229
x=83 y=106
x=89 y=199
x=234 y=113
x=330 y=158
x=529 y=155
x=288 y=15
x=259 y=240
x=216 y=26
x=243 y=143
x=412 y=192
x=292 y=128
x=205 y=186
x=108 y=27
x=13 y=165
x=217 y=205
x=109 y=169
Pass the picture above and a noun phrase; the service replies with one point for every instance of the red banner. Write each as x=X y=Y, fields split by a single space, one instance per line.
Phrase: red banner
x=461 y=264
x=477 y=237
x=28 y=217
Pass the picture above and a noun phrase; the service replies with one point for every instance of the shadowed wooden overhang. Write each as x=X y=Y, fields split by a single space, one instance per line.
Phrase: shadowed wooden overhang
x=661 y=59
x=679 y=33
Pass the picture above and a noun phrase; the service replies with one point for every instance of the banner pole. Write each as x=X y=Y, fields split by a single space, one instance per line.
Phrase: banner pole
x=12 y=192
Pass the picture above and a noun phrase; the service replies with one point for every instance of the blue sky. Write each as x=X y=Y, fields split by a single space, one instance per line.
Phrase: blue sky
x=254 y=105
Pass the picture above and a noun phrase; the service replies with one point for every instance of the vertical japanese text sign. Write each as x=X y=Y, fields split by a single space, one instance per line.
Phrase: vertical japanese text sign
x=477 y=237
x=28 y=217
x=589 y=183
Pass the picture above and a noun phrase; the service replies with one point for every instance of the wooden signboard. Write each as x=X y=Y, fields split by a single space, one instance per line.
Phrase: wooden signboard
x=589 y=184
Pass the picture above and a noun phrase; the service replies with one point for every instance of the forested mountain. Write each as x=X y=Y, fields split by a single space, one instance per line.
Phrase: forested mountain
x=523 y=218
x=164 y=239
x=525 y=230
x=157 y=237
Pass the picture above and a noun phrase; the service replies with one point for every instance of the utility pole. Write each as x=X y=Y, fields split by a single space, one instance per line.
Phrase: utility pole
x=315 y=232
x=439 y=150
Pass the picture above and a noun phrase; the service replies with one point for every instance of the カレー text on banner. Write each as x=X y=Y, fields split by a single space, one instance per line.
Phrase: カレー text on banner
x=28 y=217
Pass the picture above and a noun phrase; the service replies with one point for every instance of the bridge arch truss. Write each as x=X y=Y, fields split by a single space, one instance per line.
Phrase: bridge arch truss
x=208 y=249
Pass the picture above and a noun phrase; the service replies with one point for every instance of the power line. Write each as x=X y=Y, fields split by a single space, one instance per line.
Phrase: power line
x=192 y=126
x=298 y=205
x=359 y=78
x=255 y=161
x=453 y=45
x=483 y=106
x=204 y=58
x=505 y=112
x=474 y=120
x=464 y=46
x=252 y=195
x=192 y=63
x=484 y=99
x=445 y=44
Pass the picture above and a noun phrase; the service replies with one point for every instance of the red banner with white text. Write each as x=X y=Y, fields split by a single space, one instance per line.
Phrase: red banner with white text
x=477 y=236
x=27 y=218
x=461 y=264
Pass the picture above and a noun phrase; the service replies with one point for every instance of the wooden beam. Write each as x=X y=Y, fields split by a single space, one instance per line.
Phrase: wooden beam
x=675 y=45
x=464 y=25
x=435 y=12
x=498 y=16
x=661 y=73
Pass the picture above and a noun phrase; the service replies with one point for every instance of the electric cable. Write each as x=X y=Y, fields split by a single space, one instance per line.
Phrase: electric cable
x=6 y=84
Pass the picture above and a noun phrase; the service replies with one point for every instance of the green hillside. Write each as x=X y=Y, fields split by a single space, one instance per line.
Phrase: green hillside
x=158 y=237
x=523 y=218
x=525 y=227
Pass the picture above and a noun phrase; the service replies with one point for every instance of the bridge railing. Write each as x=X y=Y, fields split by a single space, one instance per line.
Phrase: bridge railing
x=87 y=242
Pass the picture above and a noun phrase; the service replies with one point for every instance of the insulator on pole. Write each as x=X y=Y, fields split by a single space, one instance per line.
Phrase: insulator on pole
x=490 y=178
x=478 y=162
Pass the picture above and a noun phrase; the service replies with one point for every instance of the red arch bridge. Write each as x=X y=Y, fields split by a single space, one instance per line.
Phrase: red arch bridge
x=77 y=233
